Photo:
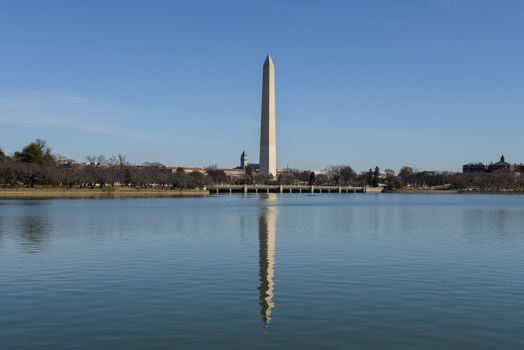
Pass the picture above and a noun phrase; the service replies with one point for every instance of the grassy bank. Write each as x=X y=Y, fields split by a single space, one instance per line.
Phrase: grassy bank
x=62 y=192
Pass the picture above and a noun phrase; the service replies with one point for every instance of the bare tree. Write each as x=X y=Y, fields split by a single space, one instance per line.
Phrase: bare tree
x=216 y=176
x=340 y=175
x=118 y=160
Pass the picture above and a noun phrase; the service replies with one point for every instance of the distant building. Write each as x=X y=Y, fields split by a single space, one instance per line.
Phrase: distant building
x=500 y=166
x=66 y=162
x=253 y=167
x=475 y=168
x=320 y=172
x=236 y=172
x=243 y=160
x=187 y=170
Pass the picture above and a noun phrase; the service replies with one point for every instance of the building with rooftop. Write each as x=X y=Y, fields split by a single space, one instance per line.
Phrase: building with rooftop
x=500 y=166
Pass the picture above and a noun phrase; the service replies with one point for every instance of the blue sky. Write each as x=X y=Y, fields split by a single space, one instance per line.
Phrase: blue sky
x=427 y=83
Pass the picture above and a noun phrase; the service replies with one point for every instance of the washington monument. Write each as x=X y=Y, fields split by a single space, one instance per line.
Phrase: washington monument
x=268 y=145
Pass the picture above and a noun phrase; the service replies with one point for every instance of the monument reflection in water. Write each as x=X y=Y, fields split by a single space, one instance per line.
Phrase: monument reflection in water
x=267 y=232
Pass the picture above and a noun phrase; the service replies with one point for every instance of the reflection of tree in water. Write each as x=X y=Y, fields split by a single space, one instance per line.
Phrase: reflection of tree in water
x=267 y=232
x=4 y=220
x=34 y=230
x=2 y=228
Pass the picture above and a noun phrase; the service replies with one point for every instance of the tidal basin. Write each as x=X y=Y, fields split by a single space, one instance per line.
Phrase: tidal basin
x=279 y=271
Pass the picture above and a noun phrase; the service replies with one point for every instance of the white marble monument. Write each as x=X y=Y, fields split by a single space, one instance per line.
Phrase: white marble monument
x=268 y=145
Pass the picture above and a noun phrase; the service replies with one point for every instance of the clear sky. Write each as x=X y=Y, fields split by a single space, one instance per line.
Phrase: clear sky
x=427 y=83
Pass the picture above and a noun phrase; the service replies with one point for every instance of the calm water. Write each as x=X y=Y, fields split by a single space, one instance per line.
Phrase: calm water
x=332 y=271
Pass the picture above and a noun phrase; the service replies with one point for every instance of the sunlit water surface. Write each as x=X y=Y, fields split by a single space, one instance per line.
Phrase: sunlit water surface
x=344 y=271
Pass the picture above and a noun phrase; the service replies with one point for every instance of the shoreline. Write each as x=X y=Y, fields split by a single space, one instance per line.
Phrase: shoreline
x=17 y=193
x=424 y=192
x=96 y=193
x=452 y=192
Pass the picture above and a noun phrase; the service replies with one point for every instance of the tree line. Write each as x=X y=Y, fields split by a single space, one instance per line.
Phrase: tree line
x=411 y=178
x=35 y=165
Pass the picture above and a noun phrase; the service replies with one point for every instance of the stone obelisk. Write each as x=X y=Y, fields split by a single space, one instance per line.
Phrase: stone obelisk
x=268 y=145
